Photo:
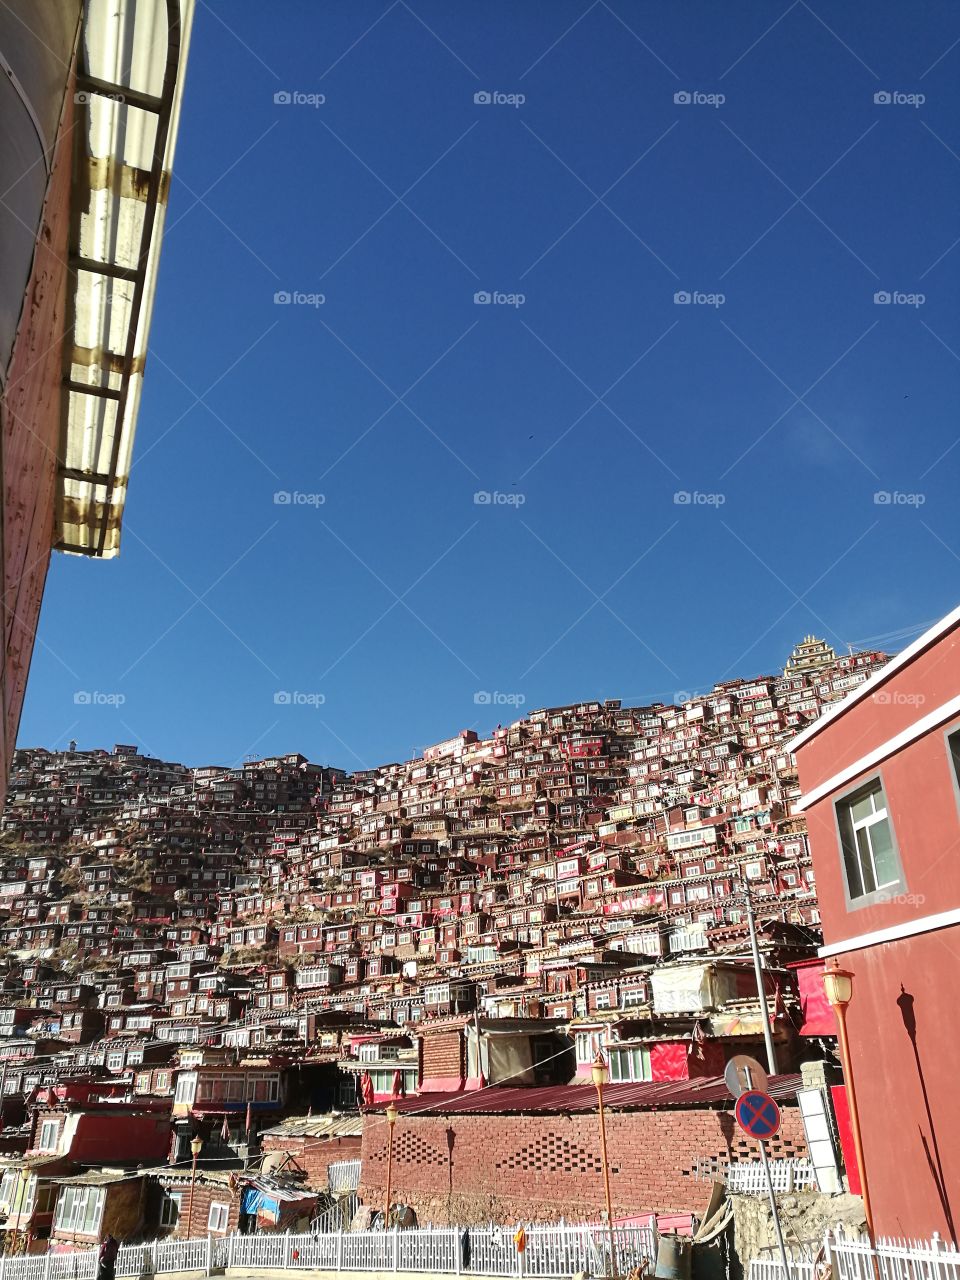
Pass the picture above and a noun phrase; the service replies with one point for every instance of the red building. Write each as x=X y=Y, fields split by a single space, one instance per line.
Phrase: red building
x=880 y=775
x=76 y=291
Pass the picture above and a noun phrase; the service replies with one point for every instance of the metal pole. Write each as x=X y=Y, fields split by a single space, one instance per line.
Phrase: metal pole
x=758 y=970
x=773 y=1209
x=193 y=1183
x=606 y=1182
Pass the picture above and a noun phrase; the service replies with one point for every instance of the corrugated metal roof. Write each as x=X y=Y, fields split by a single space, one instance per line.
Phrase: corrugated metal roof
x=571 y=1097
x=129 y=88
x=326 y=1126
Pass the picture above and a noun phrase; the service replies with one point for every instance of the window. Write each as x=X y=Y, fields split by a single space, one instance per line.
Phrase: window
x=219 y=1217
x=629 y=1064
x=953 y=748
x=49 y=1132
x=587 y=1045
x=170 y=1208
x=186 y=1087
x=870 y=858
x=79 y=1210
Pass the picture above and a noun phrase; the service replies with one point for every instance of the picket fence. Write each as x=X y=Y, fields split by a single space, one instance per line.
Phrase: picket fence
x=892 y=1259
x=552 y=1252
x=786 y=1175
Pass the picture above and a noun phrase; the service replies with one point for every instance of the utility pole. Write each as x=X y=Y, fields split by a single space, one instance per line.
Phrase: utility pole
x=758 y=971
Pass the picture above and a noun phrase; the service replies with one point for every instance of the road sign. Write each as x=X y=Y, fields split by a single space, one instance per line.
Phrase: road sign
x=744 y=1073
x=757 y=1114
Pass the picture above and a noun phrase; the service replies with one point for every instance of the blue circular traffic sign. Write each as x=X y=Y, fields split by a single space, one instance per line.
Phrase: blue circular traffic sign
x=757 y=1114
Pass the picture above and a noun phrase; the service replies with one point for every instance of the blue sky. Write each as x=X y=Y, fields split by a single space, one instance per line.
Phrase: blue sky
x=678 y=490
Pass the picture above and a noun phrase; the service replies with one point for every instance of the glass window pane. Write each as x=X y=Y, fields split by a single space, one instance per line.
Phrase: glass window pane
x=862 y=808
x=884 y=859
x=866 y=862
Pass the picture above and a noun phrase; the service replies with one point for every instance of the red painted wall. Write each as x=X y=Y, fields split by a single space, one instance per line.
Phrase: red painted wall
x=106 y=1139
x=902 y=1019
x=30 y=422
x=543 y=1167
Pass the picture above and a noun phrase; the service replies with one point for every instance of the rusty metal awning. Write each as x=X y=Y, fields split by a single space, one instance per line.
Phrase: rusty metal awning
x=131 y=64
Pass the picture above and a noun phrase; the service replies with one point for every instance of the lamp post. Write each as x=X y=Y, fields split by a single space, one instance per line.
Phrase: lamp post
x=600 y=1074
x=391 y=1114
x=196 y=1144
x=838 y=988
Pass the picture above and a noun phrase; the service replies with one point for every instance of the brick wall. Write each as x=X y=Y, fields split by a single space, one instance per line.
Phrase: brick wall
x=443 y=1055
x=505 y=1167
x=313 y=1155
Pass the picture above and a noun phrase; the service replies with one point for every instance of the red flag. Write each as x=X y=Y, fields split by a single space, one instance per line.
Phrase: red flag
x=247 y=1125
x=225 y=1131
x=366 y=1089
x=399 y=1087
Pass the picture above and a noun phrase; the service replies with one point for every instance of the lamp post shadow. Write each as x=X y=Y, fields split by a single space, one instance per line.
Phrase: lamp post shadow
x=931 y=1147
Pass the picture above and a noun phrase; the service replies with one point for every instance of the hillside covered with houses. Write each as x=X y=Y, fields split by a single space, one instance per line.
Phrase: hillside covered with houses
x=260 y=957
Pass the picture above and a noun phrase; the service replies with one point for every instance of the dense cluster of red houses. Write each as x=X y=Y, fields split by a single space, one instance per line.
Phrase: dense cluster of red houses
x=216 y=953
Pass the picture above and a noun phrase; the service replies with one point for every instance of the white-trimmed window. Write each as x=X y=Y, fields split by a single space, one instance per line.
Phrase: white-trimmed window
x=170 y=1207
x=49 y=1134
x=629 y=1064
x=79 y=1210
x=870 y=860
x=953 y=747
x=587 y=1045
x=218 y=1217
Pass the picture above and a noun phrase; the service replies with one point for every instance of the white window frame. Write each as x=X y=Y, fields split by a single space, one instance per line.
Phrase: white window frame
x=170 y=1207
x=848 y=833
x=218 y=1219
x=80 y=1210
x=44 y=1142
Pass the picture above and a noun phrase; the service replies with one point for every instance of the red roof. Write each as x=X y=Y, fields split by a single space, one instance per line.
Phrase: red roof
x=583 y=1097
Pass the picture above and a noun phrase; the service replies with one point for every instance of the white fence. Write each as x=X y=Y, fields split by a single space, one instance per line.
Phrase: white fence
x=787 y=1175
x=343 y=1175
x=552 y=1252
x=893 y=1259
x=132 y=1260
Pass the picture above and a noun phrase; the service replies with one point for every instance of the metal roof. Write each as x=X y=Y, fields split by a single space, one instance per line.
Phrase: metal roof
x=129 y=87
x=649 y=1095
x=327 y=1126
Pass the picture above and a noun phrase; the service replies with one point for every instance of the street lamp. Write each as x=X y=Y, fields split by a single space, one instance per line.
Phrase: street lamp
x=600 y=1074
x=838 y=988
x=391 y=1114
x=196 y=1144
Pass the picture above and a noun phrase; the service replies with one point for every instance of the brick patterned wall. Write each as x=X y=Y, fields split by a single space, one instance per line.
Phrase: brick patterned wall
x=472 y=1167
x=442 y=1055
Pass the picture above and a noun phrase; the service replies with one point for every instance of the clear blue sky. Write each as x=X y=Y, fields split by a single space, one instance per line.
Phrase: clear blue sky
x=399 y=598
